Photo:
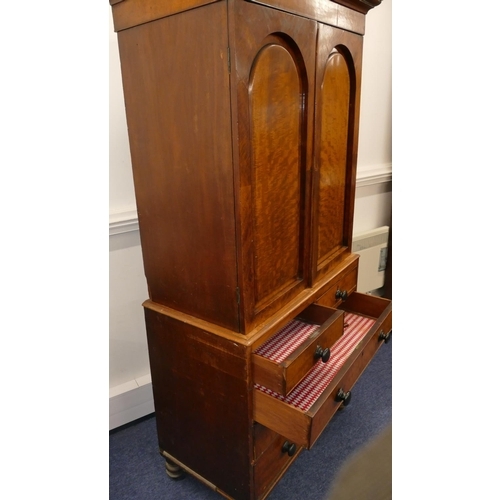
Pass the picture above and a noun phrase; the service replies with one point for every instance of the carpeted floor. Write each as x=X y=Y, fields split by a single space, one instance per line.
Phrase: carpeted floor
x=137 y=470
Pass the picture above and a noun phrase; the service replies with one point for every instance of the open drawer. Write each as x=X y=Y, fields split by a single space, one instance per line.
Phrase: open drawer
x=303 y=414
x=283 y=360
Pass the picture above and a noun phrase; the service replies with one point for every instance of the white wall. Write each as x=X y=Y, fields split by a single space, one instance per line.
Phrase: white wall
x=129 y=374
x=374 y=187
x=375 y=127
x=129 y=379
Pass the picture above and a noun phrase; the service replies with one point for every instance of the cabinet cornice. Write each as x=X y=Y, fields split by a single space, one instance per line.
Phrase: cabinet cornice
x=129 y=13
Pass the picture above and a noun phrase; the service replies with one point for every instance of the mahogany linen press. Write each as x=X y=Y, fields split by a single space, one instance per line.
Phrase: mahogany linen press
x=243 y=123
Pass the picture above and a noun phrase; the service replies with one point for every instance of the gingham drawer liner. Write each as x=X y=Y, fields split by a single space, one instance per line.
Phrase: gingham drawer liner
x=283 y=343
x=318 y=378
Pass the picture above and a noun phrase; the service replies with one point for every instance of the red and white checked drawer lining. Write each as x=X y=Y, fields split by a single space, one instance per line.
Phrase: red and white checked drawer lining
x=283 y=343
x=321 y=374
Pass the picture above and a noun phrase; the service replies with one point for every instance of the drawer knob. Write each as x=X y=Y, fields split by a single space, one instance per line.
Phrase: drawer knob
x=345 y=397
x=324 y=354
x=289 y=448
x=341 y=294
x=385 y=336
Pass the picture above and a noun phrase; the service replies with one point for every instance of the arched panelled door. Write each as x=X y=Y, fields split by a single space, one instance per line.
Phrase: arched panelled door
x=276 y=97
x=275 y=72
x=337 y=82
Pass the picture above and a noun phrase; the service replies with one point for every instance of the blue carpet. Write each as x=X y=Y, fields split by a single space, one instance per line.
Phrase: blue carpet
x=137 y=470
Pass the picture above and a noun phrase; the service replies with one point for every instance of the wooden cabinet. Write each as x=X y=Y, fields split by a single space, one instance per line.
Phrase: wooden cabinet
x=243 y=124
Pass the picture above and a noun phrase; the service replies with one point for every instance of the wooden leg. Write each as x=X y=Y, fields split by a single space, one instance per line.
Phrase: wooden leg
x=173 y=470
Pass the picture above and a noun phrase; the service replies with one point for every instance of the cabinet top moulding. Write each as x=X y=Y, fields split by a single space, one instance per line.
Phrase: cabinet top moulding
x=345 y=14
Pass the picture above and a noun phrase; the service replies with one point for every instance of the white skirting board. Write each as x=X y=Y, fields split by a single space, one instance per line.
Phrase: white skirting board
x=130 y=401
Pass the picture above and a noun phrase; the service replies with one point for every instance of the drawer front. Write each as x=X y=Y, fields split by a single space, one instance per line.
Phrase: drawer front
x=282 y=361
x=271 y=464
x=262 y=439
x=303 y=415
x=339 y=292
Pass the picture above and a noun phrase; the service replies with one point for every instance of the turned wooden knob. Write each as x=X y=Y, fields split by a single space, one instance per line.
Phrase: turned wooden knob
x=289 y=448
x=345 y=397
x=385 y=336
x=341 y=294
x=324 y=354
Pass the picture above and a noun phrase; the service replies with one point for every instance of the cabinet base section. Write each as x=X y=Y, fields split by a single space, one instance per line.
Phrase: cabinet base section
x=202 y=402
x=268 y=470
x=176 y=470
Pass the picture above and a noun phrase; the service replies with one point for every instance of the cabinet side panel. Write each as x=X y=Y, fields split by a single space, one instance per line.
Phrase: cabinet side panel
x=202 y=402
x=176 y=86
x=133 y=12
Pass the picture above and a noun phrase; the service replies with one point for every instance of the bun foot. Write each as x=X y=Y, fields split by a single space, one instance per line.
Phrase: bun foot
x=174 y=471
